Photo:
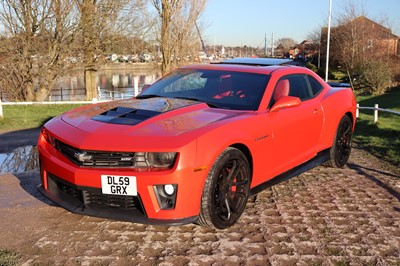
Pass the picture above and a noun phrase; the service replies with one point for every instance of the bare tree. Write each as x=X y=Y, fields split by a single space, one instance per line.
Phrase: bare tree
x=33 y=46
x=285 y=44
x=178 y=33
x=101 y=21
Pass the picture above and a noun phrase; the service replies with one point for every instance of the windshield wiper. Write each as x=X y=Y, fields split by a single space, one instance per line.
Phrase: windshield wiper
x=188 y=98
x=147 y=96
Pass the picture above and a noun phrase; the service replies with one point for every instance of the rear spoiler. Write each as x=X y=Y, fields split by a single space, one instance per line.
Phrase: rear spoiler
x=339 y=84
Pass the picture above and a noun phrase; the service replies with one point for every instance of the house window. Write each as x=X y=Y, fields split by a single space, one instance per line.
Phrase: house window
x=370 y=43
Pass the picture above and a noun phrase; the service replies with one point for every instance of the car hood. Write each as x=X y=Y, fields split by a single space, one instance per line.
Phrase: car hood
x=155 y=116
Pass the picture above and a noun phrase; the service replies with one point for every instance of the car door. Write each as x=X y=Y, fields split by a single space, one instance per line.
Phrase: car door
x=296 y=130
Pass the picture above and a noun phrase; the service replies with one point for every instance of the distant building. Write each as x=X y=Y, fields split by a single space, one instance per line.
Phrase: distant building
x=359 y=40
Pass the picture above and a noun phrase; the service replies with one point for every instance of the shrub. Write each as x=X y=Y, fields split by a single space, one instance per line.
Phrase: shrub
x=321 y=73
x=312 y=66
x=376 y=77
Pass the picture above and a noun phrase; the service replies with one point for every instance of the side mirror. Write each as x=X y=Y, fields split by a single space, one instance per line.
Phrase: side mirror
x=286 y=102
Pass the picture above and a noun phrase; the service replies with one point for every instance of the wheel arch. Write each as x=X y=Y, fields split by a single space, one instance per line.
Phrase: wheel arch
x=246 y=151
x=350 y=115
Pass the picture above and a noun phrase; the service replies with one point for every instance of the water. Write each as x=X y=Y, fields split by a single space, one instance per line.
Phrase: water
x=19 y=160
x=113 y=83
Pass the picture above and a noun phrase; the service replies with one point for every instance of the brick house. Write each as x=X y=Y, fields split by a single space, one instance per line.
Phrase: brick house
x=359 y=40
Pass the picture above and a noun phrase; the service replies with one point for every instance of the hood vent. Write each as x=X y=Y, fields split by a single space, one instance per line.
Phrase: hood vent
x=125 y=116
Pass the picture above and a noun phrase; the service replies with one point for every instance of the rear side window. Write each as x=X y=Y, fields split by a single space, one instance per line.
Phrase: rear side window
x=316 y=87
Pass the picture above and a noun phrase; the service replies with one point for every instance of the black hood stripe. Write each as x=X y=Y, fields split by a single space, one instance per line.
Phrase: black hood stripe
x=125 y=116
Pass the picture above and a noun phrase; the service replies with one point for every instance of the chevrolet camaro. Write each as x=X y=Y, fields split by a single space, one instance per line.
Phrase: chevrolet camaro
x=196 y=144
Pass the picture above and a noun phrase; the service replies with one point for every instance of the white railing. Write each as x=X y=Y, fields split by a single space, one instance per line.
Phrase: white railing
x=376 y=110
x=53 y=102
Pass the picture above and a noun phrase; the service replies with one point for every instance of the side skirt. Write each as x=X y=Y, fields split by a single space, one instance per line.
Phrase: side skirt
x=319 y=159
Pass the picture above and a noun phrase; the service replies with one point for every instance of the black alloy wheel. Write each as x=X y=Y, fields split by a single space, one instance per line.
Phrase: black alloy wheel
x=341 y=148
x=226 y=190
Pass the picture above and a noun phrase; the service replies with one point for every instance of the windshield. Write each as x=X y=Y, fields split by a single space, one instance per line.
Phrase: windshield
x=221 y=89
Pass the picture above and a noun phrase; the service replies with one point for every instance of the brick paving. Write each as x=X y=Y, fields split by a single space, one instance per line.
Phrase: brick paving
x=326 y=216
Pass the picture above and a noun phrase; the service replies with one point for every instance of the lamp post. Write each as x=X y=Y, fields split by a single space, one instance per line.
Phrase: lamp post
x=328 y=40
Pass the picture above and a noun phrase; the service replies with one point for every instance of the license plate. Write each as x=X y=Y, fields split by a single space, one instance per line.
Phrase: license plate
x=118 y=185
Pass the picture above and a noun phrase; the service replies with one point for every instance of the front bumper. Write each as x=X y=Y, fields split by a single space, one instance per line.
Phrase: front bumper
x=91 y=201
x=79 y=189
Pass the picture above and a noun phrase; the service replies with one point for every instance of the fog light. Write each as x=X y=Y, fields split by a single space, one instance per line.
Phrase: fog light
x=169 y=189
x=166 y=195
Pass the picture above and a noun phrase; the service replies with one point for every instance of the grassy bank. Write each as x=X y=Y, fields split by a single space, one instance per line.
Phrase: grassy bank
x=30 y=116
x=383 y=138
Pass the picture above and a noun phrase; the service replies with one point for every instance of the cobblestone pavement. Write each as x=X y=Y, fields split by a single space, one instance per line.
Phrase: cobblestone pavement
x=326 y=216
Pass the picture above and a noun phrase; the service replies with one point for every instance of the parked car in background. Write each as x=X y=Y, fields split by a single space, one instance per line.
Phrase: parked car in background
x=195 y=145
x=145 y=58
x=134 y=58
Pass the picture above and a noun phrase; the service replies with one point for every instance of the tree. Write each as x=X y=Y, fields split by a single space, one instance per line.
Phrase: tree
x=356 y=41
x=177 y=28
x=285 y=44
x=100 y=20
x=39 y=36
x=33 y=46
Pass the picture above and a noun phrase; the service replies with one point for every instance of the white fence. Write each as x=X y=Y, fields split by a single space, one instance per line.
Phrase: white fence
x=376 y=110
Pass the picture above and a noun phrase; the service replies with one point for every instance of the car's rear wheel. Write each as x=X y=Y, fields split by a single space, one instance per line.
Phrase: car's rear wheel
x=226 y=190
x=341 y=147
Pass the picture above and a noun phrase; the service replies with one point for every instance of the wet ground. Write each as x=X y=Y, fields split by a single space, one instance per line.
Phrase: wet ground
x=326 y=216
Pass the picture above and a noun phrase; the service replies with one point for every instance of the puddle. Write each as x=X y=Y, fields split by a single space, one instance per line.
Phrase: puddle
x=19 y=160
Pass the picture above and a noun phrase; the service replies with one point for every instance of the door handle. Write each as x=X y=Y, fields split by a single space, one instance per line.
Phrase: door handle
x=317 y=110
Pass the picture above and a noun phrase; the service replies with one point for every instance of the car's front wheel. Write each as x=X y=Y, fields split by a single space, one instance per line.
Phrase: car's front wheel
x=341 y=147
x=226 y=190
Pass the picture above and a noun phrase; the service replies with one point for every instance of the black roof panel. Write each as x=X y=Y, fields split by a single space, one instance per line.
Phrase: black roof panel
x=257 y=61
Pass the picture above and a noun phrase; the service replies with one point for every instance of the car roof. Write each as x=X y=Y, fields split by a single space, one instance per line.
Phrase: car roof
x=250 y=65
x=257 y=61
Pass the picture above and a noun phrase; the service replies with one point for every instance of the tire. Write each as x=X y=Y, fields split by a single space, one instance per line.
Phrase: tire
x=226 y=190
x=341 y=147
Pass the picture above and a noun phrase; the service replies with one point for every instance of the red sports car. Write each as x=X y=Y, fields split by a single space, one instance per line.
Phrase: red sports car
x=195 y=145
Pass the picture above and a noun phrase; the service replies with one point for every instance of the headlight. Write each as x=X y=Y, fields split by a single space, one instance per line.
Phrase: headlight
x=164 y=160
x=48 y=137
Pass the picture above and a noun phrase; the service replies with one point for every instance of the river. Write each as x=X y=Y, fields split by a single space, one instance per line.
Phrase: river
x=117 y=81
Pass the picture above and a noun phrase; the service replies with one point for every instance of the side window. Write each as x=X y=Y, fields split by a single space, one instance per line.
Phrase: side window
x=299 y=87
x=302 y=86
x=316 y=87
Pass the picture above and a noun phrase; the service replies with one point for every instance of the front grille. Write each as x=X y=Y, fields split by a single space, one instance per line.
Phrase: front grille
x=92 y=197
x=68 y=190
x=96 y=158
x=111 y=201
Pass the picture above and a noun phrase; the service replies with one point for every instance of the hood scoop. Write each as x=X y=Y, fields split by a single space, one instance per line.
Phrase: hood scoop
x=125 y=116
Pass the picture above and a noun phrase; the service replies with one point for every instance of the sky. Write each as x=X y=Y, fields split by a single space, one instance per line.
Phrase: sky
x=247 y=22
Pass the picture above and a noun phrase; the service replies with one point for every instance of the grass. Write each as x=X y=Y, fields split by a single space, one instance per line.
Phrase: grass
x=383 y=138
x=8 y=258
x=30 y=116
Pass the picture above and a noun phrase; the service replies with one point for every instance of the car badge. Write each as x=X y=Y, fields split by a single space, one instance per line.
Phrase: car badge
x=126 y=159
x=83 y=156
